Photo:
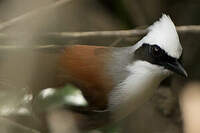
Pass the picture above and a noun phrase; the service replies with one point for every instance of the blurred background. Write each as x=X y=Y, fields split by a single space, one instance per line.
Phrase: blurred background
x=31 y=32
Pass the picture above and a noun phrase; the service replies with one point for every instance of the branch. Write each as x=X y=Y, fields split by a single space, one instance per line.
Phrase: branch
x=121 y=33
x=43 y=9
x=188 y=29
x=118 y=33
x=82 y=37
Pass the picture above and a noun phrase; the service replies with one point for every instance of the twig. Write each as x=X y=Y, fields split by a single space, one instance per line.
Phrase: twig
x=121 y=33
x=188 y=29
x=116 y=42
x=66 y=36
x=118 y=33
x=32 y=13
x=34 y=47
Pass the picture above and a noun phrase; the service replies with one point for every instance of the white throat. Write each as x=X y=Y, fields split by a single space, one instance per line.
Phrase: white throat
x=137 y=88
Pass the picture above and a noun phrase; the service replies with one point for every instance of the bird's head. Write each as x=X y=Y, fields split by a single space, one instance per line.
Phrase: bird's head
x=161 y=46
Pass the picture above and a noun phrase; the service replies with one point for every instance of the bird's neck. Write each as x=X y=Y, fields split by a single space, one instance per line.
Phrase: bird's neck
x=137 y=88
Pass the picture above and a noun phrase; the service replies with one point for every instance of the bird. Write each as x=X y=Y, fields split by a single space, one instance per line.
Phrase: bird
x=115 y=81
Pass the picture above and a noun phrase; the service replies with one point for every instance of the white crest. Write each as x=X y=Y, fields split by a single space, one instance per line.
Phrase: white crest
x=163 y=33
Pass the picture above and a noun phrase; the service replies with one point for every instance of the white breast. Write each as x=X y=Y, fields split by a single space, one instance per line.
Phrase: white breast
x=137 y=88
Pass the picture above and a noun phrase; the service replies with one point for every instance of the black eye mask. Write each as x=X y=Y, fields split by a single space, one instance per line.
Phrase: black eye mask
x=153 y=54
x=156 y=55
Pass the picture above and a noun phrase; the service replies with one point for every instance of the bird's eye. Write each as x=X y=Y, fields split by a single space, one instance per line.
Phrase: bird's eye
x=155 y=51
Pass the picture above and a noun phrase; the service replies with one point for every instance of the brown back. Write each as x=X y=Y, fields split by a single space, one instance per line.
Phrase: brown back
x=84 y=66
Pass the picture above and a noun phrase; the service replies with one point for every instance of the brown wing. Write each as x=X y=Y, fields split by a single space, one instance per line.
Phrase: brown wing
x=84 y=66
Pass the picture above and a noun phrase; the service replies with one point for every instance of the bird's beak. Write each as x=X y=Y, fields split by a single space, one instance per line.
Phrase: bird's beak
x=176 y=66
